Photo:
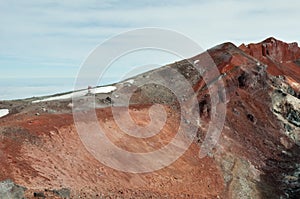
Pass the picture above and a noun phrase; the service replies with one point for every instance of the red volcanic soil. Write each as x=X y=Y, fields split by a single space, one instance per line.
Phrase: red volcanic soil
x=256 y=156
x=45 y=152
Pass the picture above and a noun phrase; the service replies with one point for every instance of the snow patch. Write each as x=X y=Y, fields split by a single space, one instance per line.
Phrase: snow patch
x=104 y=89
x=62 y=97
x=196 y=61
x=4 y=112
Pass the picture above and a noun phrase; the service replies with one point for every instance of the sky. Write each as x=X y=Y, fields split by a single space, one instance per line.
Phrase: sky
x=52 y=38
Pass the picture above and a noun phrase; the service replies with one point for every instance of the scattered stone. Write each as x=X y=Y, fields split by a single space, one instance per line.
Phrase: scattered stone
x=242 y=79
x=251 y=117
x=107 y=100
x=286 y=142
x=287 y=153
x=294 y=117
x=210 y=154
x=235 y=111
x=291 y=178
x=187 y=121
x=39 y=195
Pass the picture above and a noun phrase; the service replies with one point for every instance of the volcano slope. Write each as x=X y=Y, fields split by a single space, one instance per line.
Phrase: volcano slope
x=256 y=155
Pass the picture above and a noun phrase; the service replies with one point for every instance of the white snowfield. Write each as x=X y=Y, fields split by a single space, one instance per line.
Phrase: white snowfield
x=104 y=89
x=4 y=112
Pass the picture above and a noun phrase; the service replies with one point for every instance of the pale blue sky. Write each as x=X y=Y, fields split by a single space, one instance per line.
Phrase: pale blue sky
x=52 y=38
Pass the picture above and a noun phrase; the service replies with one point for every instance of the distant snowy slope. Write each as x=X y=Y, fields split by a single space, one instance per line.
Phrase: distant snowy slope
x=3 y=112
x=104 y=89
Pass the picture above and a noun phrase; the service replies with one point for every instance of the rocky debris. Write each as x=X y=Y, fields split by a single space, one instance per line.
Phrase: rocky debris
x=280 y=83
x=291 y=182
x=273 y=48
x=107 y=100
x=251 y=117
x=70 y=105
x=284 y=173
x=62 y=193
x=293 y=116
x=9 y=190
x=287 y=109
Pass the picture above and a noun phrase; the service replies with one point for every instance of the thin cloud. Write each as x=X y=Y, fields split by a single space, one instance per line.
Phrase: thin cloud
x=51 y=31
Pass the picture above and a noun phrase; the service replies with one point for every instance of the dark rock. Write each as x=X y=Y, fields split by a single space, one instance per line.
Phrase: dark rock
x=250 y=117
x=235 y=111
x=108 y=100
x=287 y=127
x=242 y=79
x=39 y=195
x=291 y=91
x=294 y=117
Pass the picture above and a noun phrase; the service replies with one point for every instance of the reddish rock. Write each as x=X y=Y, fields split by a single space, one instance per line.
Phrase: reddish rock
x=280 y=57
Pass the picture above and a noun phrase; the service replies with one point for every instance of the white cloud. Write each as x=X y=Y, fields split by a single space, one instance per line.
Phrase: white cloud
x=62 y=31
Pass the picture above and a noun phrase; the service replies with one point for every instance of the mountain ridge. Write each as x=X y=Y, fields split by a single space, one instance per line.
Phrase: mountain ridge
x=256 y=156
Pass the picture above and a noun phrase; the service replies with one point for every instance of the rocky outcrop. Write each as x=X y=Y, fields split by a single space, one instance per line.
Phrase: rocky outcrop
x=287 y=109
x=274 y=49
x=9 y=190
